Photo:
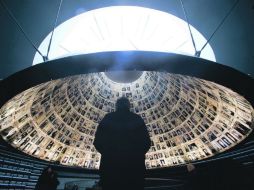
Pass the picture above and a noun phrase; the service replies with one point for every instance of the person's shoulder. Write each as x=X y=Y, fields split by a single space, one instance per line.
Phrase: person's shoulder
x=106 y=116
x=109 y=115
x=136 y=116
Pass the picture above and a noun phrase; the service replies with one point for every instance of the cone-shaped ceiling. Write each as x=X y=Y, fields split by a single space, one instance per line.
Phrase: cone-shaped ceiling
x=187 y=118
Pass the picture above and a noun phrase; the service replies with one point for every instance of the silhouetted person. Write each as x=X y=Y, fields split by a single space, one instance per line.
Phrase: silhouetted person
x=123 y=140
x=47 y=180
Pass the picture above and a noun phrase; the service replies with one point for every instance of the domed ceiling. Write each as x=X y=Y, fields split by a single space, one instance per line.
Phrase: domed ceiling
x=233 y=43
x=123 y=28
x=187 y=118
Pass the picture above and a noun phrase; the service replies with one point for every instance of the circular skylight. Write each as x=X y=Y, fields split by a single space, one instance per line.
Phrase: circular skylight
x=122 y=28
x=124 y=76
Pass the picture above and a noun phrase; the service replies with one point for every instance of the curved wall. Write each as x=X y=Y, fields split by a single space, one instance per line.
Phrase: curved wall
x=188 y=118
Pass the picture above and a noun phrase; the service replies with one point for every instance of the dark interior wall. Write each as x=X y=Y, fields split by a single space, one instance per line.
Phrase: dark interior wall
x=232 y=44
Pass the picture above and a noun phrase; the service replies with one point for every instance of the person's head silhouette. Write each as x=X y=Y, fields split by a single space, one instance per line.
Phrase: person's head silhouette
x=123 y=104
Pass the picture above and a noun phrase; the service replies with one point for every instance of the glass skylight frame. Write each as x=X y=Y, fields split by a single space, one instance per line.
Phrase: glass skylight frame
x=123 y=28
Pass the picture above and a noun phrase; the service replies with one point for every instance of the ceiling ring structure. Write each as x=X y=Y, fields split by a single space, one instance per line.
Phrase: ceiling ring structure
x=189 y=117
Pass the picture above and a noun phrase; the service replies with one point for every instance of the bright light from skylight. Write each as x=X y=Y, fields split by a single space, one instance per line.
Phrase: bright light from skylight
x=122 y=28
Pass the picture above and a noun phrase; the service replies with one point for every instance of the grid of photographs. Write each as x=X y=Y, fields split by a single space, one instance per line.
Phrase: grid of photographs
x=188 y=119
